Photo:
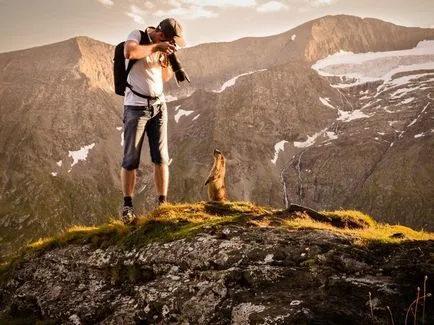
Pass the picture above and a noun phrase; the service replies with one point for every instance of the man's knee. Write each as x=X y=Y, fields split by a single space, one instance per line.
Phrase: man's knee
x=161 y=162
x=160 y=159
x=129 y=165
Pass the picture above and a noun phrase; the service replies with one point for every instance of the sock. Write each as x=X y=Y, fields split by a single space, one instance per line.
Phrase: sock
x=162 y=199
x=128 y=201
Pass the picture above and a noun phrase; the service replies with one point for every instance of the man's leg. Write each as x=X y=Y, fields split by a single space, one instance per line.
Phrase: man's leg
x=157 y=136
x=161 y=179
x=135 y=121
x=128 y=181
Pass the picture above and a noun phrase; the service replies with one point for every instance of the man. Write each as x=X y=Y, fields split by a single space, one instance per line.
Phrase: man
x=145 y=110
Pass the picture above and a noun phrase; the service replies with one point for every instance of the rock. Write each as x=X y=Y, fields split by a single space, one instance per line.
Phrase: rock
x=258 y=276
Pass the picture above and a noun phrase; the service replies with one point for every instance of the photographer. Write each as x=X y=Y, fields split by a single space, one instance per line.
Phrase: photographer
x=145 y=110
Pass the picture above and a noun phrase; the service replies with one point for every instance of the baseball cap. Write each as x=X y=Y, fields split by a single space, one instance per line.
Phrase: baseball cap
x=173 y=29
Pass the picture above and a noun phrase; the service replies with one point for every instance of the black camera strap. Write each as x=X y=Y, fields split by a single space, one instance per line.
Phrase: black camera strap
x=141 y=95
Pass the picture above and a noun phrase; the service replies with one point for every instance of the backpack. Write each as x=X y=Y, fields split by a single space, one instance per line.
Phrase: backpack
x=120 y=73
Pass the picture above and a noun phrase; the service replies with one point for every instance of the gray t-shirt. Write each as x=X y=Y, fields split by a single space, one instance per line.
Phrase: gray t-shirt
x=145 y=76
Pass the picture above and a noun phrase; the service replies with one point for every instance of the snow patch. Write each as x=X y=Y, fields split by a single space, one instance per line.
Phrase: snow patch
x=120 y=128
x=420 y=114
x=371 y=103
x=326 y=102
x=59 y=163
x=345 y=116
x=170 y=98
x=195 y=117
x=310 y=140
x=80 y=154
x=408 y=100
x=232 y=81
x=403 y=91
x=293 y=37
x=180 y=113
x=420 y=135
x=390 y=82
x=332 y=135
x=54 y=174
x=278 y=147
x=360 y=68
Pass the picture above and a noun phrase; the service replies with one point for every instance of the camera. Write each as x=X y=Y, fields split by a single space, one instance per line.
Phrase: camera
x=180 y=74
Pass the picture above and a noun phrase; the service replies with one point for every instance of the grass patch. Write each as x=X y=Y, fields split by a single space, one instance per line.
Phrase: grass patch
x=167 y=223
x=176 y=221
x=368 y=232
x=350 y=218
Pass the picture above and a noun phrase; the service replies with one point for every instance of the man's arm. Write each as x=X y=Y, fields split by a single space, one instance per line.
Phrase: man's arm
x=167 y=73
x=135 y=51
x=166 y=68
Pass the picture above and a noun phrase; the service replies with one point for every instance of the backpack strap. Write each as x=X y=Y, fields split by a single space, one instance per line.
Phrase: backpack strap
x=144 y=39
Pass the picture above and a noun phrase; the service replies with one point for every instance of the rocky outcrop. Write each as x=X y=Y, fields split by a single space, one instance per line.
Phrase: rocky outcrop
x=227 y=274
x=285 y=131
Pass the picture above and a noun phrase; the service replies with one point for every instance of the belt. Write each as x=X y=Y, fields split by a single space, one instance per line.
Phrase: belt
x=142 y=95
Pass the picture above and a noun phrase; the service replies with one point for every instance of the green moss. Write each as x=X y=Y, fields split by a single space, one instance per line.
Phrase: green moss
x=173 y=222
x=349 y=219
x=310 y=262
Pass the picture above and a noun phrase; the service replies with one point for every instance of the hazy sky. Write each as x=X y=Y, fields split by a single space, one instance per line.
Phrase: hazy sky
x=28 y=23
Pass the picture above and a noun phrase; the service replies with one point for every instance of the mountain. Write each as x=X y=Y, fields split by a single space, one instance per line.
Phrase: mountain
x=296 y=134
x=225 y=263
x=57 y=107
x=293 y=128
x=213 y=64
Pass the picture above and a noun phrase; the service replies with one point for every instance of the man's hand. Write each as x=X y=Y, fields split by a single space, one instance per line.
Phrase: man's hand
x=135 y=51
x=165 y=47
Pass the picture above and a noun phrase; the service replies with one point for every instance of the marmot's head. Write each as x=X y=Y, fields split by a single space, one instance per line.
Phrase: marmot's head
x=219 y=158
x=218 y=154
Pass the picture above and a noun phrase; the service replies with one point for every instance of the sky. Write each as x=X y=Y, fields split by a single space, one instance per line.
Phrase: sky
x=29 y=23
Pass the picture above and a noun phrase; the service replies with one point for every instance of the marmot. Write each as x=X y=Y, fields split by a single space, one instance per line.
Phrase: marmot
x=216 y=178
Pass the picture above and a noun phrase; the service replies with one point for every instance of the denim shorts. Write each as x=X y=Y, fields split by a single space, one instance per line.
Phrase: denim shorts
x=139 y=120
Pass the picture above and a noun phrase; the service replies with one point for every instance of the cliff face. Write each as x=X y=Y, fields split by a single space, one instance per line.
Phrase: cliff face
x=252 y=271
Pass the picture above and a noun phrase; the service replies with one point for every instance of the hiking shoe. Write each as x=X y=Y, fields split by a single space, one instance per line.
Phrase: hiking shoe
x=162 y=199
x=127 y=215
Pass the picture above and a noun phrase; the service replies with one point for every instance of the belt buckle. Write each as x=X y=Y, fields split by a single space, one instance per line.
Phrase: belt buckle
x=155 y=102
x=148 y=111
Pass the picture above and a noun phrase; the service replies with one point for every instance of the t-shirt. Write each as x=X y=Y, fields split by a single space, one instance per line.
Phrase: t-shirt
x=145 y=76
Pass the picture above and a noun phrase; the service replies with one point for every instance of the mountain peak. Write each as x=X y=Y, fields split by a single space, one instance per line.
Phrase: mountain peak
x=335 y=33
